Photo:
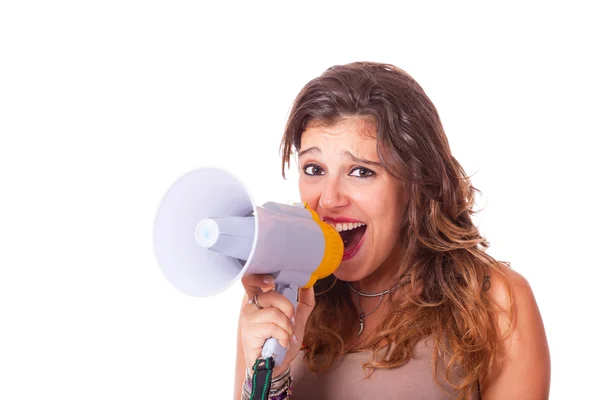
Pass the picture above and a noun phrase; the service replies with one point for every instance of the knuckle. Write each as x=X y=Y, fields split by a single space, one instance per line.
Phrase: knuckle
x=290 y=311
x=252 y=280
x=279 y=316
x=272 y=329
x=276 y=331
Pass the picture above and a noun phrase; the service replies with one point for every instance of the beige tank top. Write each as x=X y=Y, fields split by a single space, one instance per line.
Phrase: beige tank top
x=347 y=381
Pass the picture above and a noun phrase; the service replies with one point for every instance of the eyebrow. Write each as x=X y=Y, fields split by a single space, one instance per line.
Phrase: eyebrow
x=316 y=150
x=361 y=160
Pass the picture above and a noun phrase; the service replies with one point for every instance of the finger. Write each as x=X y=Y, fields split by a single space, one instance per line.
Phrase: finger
x=276 y=300
x=262 y=332
x=255 y=337
x=270 y=315
x=255 y=283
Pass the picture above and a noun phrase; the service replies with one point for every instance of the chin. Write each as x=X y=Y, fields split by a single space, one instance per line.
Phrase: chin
x=348 y=271
x=346 y=276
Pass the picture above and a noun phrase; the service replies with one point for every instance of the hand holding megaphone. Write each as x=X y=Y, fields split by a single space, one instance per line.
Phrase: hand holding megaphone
x=272 y=320
x=208 y=233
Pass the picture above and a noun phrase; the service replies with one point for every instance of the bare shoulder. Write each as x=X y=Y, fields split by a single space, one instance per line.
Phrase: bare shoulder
x=518 y=312
x=524 y=369
x=518 y=287
x=513 y=276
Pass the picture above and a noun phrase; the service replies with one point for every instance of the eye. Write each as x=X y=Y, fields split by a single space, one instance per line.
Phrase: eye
x=361 y=172
x=313 y=169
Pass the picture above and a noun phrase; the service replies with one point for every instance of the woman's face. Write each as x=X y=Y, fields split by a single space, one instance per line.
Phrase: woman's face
x=342 y=180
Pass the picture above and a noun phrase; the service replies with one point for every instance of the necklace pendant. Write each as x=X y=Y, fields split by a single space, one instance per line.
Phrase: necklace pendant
x=362 y=324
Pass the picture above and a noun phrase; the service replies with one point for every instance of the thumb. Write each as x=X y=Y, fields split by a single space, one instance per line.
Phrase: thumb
x=306 y=304
x=306 y=297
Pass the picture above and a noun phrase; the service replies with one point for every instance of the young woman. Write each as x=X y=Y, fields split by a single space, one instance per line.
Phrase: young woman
x=417 y=309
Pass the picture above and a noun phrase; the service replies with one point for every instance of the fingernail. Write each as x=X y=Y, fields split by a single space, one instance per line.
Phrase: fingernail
x=269 y=280
x=294 y=339
x=293 y=321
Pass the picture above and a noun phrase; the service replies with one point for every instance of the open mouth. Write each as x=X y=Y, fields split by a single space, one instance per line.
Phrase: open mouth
x=352 y=236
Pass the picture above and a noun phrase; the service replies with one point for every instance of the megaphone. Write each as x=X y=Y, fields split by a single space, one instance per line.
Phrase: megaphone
x=208 y=233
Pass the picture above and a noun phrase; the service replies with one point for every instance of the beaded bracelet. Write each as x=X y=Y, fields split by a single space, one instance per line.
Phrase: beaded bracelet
x=280 y=386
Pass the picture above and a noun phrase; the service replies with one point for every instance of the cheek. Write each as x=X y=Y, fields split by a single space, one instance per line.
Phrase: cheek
x=388 y=215
x=308 y=194
x=374 y=205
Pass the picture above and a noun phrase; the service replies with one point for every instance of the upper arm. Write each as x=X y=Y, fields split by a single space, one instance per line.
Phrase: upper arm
x=240 y=361
x=524 y=370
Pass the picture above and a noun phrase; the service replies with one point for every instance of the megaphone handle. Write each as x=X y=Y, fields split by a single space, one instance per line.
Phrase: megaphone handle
x=272 y=348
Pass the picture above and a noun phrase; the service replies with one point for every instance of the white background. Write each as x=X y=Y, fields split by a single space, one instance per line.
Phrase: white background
x=104 y=104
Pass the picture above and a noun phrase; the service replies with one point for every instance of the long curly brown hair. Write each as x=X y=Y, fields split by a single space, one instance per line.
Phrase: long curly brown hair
x=444 y=251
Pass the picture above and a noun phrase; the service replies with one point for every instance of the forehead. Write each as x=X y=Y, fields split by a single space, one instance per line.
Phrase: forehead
x=357 y=133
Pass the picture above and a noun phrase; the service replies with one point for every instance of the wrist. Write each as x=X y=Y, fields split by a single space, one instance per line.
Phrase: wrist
x=279 y=371
x=280 y=387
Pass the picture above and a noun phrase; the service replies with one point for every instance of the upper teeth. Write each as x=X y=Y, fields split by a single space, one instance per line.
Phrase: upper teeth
x=346 y=226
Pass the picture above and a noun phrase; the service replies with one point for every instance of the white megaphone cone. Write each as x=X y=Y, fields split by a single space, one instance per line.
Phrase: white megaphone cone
x=208 y=232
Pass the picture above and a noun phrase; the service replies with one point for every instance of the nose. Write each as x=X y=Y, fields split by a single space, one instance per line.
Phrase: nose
x=333 y=195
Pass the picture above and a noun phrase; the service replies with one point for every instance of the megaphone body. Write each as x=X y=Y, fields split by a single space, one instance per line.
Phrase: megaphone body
x=208 y=233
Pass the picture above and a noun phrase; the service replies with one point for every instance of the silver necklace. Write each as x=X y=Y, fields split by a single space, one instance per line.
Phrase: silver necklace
x=362 y=315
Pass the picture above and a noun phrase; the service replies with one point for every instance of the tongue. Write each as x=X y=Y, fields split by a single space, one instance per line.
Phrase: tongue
x=353 y=236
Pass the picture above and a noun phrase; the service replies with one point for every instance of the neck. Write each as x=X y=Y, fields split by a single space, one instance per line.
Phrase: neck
x=384 y=277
